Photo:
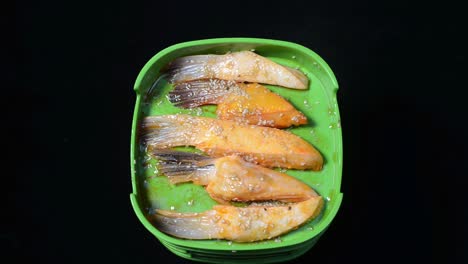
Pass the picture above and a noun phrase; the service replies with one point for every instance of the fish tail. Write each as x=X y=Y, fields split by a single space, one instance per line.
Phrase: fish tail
x=164 y=132
x=181 y=166
x=189 y=67
x=201 y=92
x=185 y=225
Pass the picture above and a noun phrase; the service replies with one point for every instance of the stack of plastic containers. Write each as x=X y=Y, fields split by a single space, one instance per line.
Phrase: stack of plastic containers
x=153 y=191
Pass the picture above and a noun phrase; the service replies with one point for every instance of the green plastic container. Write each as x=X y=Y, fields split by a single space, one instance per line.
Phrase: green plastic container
x=318 y=103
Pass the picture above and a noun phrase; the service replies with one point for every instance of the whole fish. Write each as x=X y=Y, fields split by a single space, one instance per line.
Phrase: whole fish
x=231 y=178
x=269 y=147
x=242 y=66
x=239 y=224
x=249 y=103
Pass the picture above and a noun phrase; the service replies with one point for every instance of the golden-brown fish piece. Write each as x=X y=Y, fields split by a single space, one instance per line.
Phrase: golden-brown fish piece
x=242 y=66
x=239 y=224
x=249 y=103
x=231 y=178
x=269 y=147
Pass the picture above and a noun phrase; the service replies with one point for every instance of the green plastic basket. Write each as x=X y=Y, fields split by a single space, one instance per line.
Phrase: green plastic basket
x=318 y=103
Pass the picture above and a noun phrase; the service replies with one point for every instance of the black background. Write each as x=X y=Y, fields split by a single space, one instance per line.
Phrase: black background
x=68 y=112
